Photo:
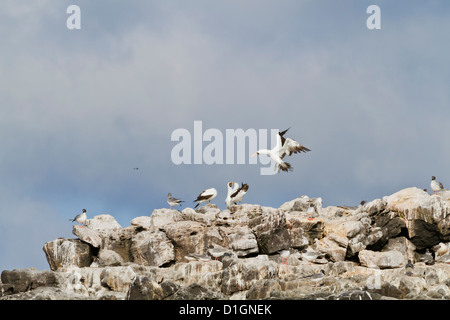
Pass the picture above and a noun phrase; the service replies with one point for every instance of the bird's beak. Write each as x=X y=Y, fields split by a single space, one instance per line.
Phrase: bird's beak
x=255 y=154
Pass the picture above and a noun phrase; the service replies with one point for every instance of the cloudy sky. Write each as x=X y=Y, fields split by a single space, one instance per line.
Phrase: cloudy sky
x=79 y=109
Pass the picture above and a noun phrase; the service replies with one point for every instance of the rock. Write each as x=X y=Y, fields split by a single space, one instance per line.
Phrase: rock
x=187 y=237
x=142 y=222
x=240 y=239
x=387 y=225
x=388 y=259
x=358 y=295
x=120 y=241
x=241 y=274
x=207 y=274
x=302 y=204
x=103 y=224
x=146 y=288
x=313 y=229
x=374 y=206
x=272 y=234
x=67 y=253
x=117 y=278
x=87 y=235
x=411 y=287
x=402 y=245
x=195 y=292
x=263 y=289
x=21 y=280
x=426 y=216
x=162 y=217
x=168 y=255
x=152 y=248
x=334 y=246
x=109 y=258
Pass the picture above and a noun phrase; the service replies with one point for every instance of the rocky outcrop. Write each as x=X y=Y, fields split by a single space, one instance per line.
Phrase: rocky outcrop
x=236 y=254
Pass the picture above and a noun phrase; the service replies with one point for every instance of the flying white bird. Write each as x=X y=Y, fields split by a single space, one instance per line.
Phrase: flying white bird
x=284 y=146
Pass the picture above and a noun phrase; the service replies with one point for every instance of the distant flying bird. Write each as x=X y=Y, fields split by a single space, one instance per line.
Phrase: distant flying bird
x=206 y=195
x=81 y=218
x=235 y=193
x=436 y=186
x=173 y=202
x=284 y=146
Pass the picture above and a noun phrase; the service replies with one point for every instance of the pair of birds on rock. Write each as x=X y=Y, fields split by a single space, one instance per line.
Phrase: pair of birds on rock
x=234 y=196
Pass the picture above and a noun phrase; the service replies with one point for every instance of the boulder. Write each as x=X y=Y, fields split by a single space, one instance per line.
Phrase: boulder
x=162 y=217
x=142 y=222
x=426 y=216
x=67 y=253
x=272 y=234
x=147 y=288
x=402 y=245
x=117 y=278
x=120 y=241
x=88 y=235
x=187 y=237
x=241 y=274
x=21 y=280
x=240 y=239
x=103 y=224
x=152 y=248
x=207 y=274
x=110 y=258
x=388 y=259
x=302 y=204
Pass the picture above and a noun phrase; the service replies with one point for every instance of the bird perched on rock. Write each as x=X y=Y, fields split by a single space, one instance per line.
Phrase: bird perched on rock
x=317 y=277
x=445 y=258
x=436 y=186
x=206 y=195
x=310 y=255
x=428 y=258
x=409 y=267
x=81 y=219
x=235 y=193
x=218 y=251
x=198 y=257
x=284 y=254
x=440 y=249
x=173 y=202
x=311 y=211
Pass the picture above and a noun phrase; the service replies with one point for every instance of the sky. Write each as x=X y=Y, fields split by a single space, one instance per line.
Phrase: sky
x=80 y=109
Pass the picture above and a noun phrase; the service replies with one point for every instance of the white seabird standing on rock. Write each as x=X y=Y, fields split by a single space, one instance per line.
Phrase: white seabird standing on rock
x=81 y=218
x=206 y=195
x=173 y=202
x=436 y=186
x=285 y=146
